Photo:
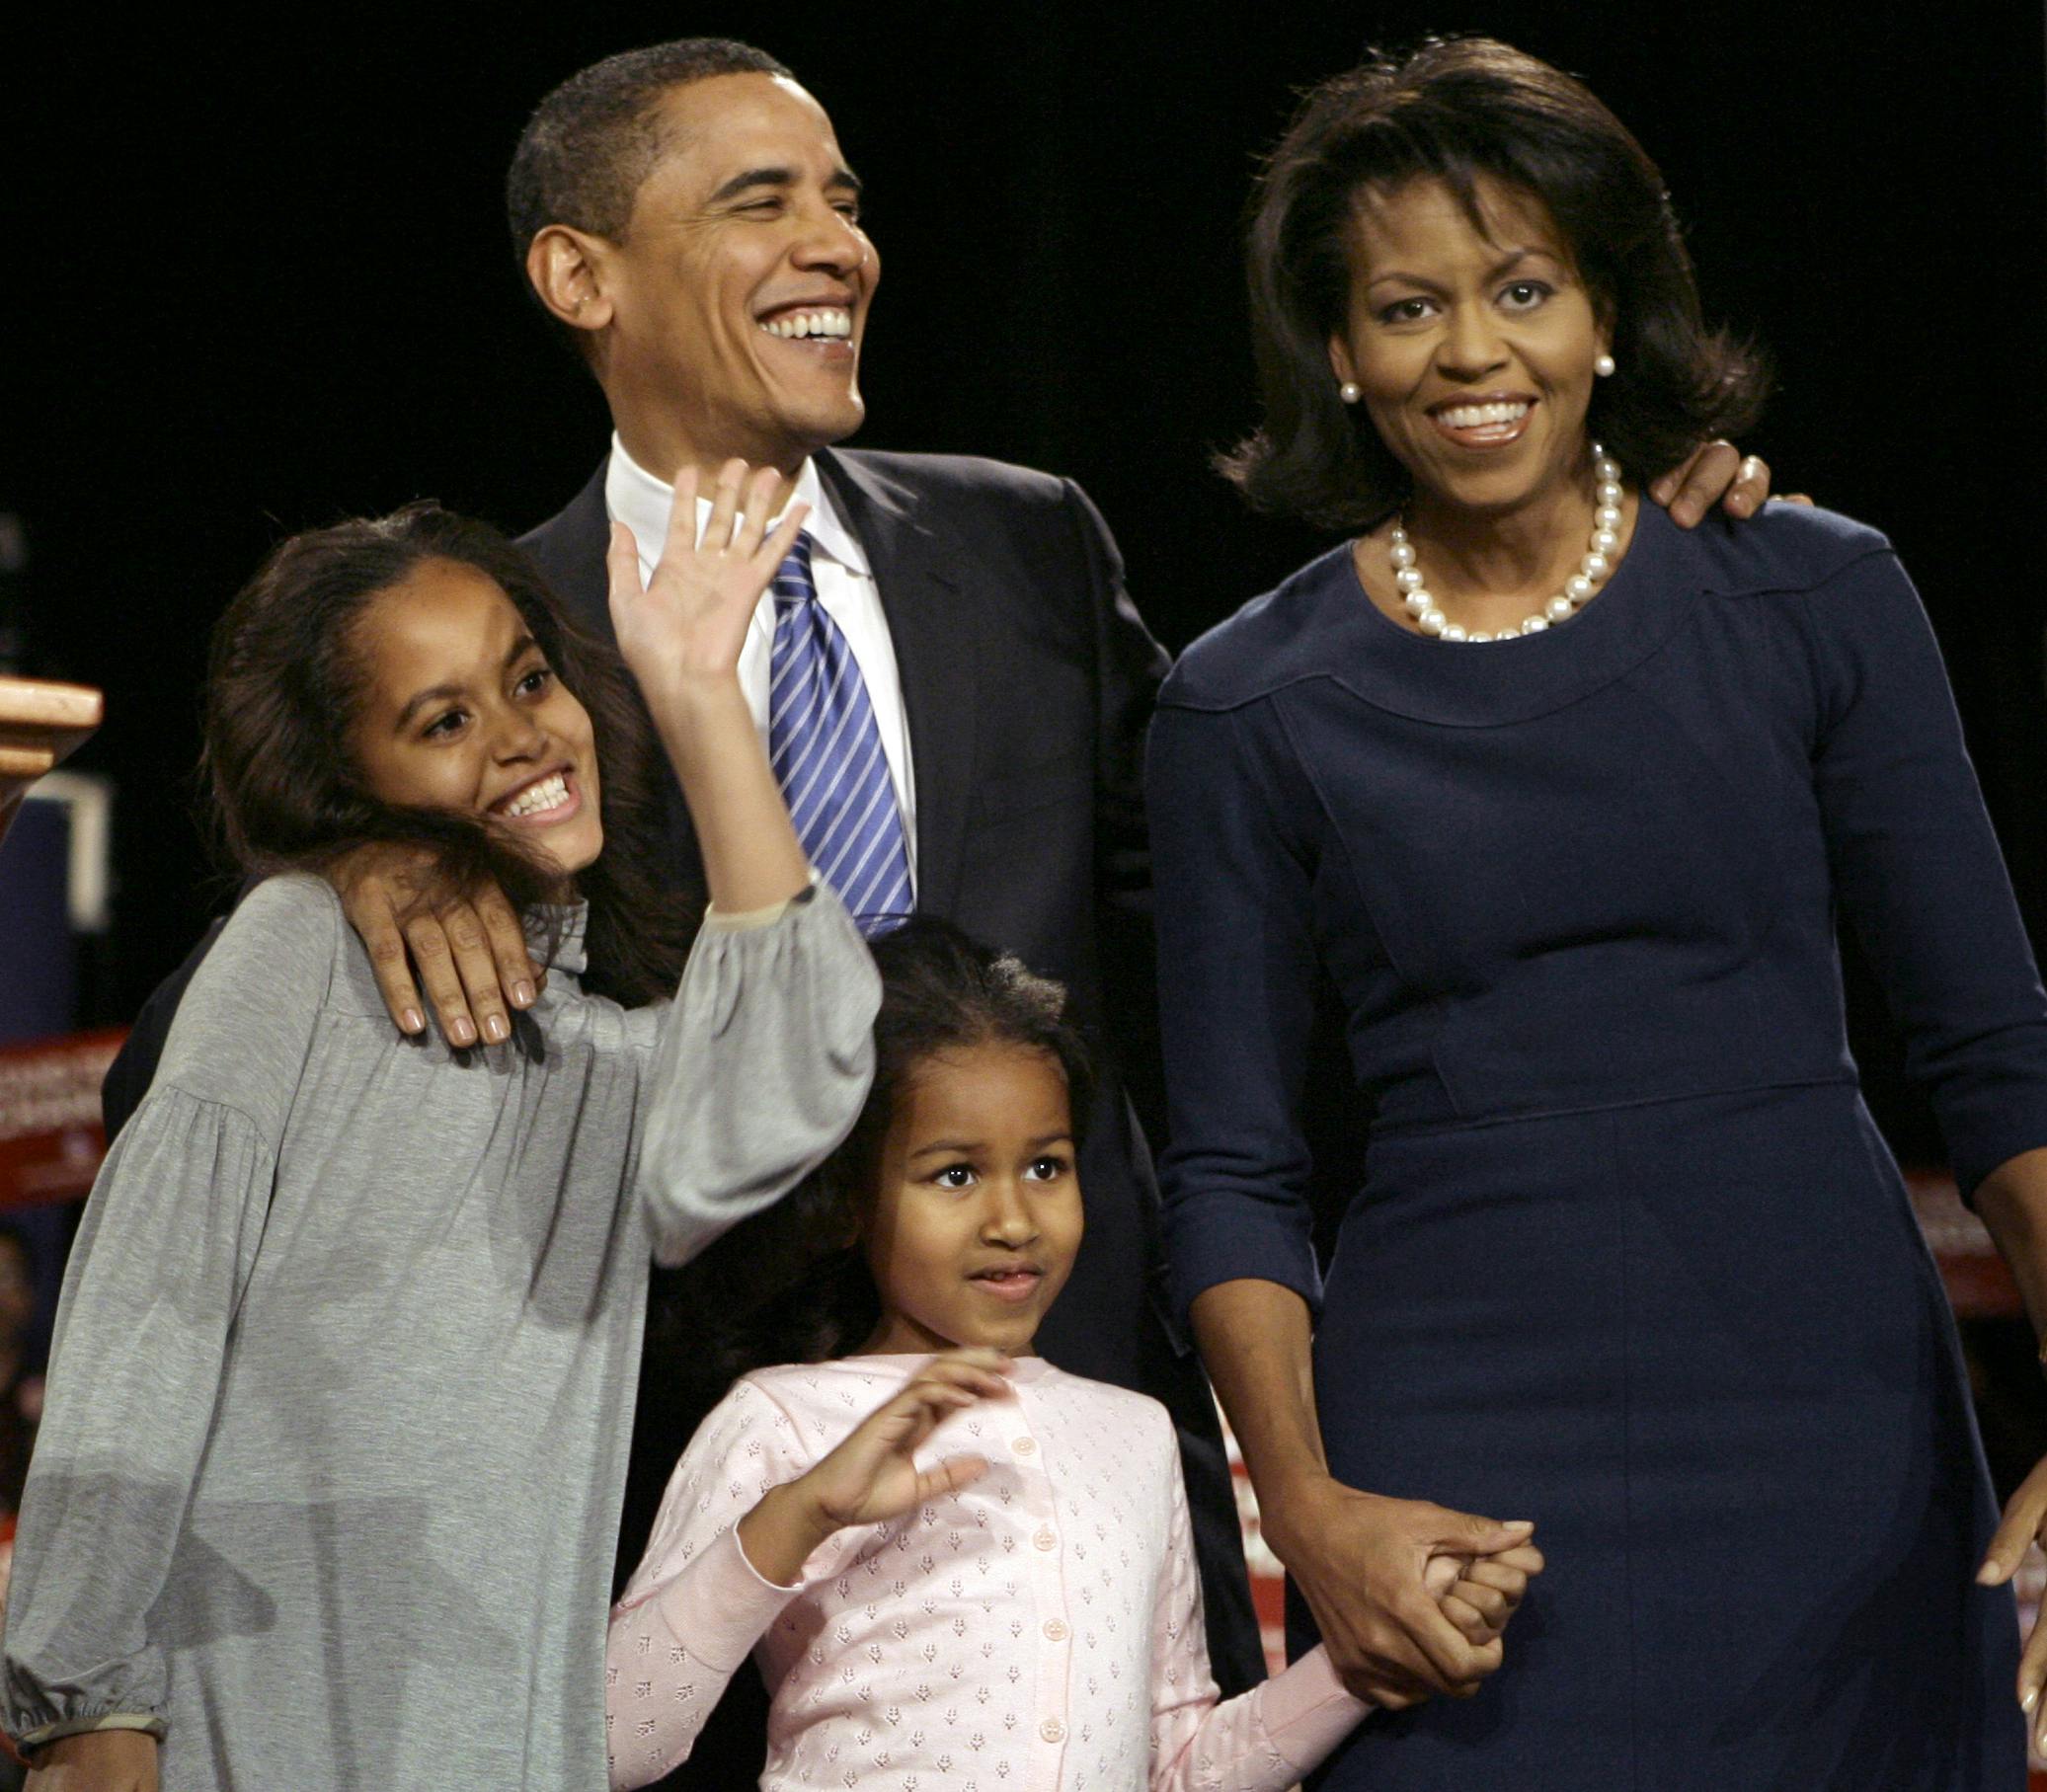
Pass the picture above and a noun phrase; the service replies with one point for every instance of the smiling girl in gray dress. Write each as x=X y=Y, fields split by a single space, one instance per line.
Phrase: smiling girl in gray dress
x=341 y=1391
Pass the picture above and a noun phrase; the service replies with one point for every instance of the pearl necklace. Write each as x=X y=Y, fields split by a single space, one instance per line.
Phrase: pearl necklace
x=1596 y=564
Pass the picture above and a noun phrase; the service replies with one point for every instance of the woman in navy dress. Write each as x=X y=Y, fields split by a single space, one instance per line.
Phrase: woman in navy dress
x=1562 y=800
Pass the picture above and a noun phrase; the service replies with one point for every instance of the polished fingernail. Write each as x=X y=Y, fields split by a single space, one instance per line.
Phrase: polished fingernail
x=463 y=1033
x=522 y=993
x=1520 y=1524
x=2028 y=1698
x=497 y=1028
x=412 y=1019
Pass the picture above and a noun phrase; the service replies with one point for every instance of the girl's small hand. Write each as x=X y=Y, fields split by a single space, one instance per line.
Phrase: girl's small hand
x=1482 y=1593
x=872 y=1477
x=691 y=620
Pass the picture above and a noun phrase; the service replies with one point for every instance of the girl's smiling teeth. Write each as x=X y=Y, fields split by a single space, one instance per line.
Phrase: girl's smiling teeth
x=1009 y=1282
x=798 y=325
x=545 y=799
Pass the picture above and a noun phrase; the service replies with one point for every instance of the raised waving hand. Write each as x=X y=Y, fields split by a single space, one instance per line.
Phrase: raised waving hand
x=872 y=1475
x=682 y=637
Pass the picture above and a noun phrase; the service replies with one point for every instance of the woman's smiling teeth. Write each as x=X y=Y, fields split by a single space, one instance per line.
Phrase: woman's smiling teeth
x=539 y=798
x=1483 y=424
x=795 y=325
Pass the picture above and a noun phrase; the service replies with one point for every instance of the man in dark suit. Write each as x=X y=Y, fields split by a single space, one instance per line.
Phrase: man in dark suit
x=718 y=291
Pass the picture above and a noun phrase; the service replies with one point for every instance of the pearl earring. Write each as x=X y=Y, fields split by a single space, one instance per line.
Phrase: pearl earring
x=1602 y=365
x=1350 y=391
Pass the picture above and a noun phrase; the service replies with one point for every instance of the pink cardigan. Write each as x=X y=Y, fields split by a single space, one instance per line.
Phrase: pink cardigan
x=1041 y=1629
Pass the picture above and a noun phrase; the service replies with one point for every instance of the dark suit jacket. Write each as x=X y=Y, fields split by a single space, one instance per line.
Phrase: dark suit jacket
x=1028 y=680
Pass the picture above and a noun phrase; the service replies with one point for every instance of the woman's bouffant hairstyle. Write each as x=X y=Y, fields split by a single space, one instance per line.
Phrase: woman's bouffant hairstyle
x=284 y=684
x=791 y=1285
x=1461 y=111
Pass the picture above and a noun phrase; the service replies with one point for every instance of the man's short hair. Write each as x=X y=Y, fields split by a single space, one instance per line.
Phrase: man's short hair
x=590 y=143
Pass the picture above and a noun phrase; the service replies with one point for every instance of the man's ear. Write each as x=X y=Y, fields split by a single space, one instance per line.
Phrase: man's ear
x=568 y=269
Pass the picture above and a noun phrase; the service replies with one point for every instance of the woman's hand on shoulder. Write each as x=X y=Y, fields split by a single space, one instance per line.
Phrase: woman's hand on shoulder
x=872 y=1476
x=1363 y=1562
x=690 y=622
x=470 y=953
x=1716 y=472
x=98 y=1760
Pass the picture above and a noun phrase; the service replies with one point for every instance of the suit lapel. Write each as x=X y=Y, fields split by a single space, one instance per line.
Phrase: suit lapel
x=934 y=625
x=568 y=549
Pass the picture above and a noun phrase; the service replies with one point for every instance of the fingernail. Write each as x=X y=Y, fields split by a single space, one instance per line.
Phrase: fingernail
x=1986 y=1575
x=412 y=1019
x=522 y=993
x=1529 y=1525
x=463 y=1033
x=496 y=1029
x=2028 y=1698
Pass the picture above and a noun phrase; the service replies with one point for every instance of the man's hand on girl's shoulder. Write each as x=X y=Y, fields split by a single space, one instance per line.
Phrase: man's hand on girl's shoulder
x=470 y=954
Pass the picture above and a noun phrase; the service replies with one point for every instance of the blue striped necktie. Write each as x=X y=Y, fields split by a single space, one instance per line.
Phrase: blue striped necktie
x=827 y=751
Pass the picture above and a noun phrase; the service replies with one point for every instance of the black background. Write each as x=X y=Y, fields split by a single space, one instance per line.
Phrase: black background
x=259 y=280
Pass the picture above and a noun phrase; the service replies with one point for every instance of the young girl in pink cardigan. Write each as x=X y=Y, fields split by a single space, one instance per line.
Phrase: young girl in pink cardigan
x=958 y=1567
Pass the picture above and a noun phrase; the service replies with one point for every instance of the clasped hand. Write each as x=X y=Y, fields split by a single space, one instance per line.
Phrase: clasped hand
x=1411 y=1598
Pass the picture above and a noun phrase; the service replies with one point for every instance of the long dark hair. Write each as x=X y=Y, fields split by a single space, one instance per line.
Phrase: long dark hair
x=284 y=685
x=1462 y=111
x=791 y=1285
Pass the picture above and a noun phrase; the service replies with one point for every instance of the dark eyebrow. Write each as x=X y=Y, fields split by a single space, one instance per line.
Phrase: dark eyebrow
x=1505 y=265
x=1525 y=255
x=524 y=645
x=839 y=180
x=967 y=1147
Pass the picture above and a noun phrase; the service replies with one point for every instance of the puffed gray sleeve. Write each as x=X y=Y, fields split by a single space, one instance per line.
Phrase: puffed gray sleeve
x=165 y=1249
x=763 y=1060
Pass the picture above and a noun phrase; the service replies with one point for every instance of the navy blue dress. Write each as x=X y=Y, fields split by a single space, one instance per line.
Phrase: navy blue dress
x=1630 y=1258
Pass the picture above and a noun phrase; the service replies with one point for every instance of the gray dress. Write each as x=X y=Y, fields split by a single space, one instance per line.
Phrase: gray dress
x=329 y=1479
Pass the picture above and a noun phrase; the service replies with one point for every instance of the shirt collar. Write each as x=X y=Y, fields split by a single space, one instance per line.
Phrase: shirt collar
x=636 y=498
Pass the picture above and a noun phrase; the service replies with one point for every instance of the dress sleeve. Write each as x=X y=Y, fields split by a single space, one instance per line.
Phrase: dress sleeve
x=1236 y=963
x=163 y=1255
x=763 y=1059
x=696 y=1608
x=1918 y=872
x=1262 y=1740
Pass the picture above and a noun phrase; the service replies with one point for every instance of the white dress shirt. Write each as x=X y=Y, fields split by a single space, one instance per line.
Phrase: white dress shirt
x=845 y=588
